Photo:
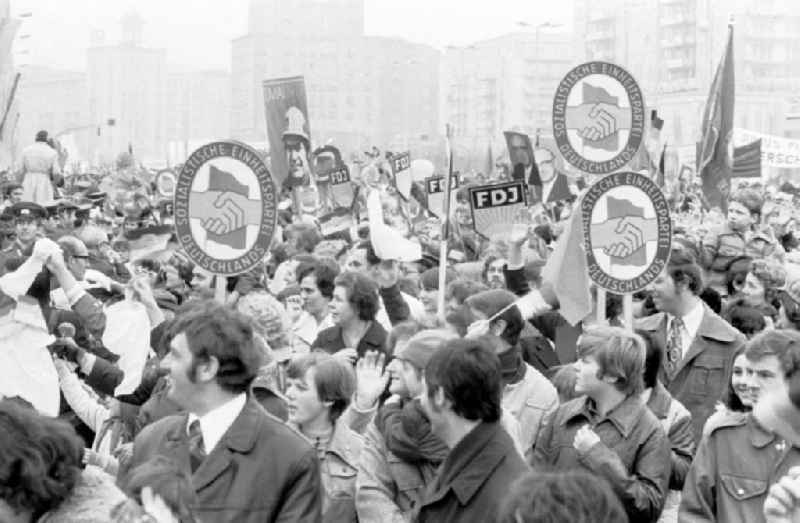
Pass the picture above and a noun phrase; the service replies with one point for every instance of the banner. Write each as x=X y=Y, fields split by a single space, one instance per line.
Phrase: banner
x=288 y=130
x=716 y=163
x=497 y=208
x=775 y=150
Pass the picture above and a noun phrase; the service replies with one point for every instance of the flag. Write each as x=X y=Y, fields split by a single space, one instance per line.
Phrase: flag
x=747 y=160
x=660 y=178
x=715 y=163
x=489 y=161
x=567 y=272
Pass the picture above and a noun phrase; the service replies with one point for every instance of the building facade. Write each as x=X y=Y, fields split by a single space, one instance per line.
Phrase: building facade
x=127 y=83
x=197 y=110
x=506 y=83
x=673 y=48
x=361 y=90
x=56 y=101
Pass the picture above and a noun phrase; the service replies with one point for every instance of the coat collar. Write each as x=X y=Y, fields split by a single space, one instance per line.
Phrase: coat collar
x=470 y=462
x=759 y=435
x=711 y=327
x=240 y=438
x=344 y=444
x=624 y=416
x=659 y=401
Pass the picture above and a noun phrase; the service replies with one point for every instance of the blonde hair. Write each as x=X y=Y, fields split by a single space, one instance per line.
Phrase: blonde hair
x=620 y=354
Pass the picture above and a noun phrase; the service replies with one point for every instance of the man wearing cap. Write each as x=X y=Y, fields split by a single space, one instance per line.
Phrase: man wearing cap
x=527 y=394
x=27 y=218
x=60 y=219
x=39 y=165
x=396 y=466
x=297 y=146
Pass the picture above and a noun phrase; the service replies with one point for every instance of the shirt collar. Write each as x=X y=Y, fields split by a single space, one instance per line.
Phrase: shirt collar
x=692 y=319
x=216 y=422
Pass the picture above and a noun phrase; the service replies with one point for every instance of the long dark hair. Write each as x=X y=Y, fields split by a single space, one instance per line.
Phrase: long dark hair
x=729 y=398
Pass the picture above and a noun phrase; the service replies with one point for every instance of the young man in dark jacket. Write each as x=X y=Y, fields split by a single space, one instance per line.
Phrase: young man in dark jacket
x=609 y=430
x=461 y=397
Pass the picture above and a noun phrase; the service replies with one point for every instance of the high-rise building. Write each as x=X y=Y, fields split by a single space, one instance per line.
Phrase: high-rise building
x=361 y=90
x=127 y=83
x=198 y=110
x=306 y=18
x=55 y=101
x=673 y=48
x=506 y=83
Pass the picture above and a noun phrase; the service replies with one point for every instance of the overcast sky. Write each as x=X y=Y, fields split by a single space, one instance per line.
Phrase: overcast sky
x=197 y=33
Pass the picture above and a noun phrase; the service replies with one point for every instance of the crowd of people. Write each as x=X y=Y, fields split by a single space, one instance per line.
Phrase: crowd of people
x=326 y=386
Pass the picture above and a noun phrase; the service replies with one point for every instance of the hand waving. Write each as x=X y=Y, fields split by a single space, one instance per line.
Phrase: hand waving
x=371 y=378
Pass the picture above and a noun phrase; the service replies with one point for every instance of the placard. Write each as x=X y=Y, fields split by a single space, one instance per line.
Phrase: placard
x=225 y=208
x=401 y=170
x=435 y=189
x=598 y=117
x=627 y=232
x=497 y=208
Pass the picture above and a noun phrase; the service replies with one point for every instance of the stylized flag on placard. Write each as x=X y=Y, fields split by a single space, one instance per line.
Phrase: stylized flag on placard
x=338 y=220
x=715 y=163
x=287 y=114
x=747 y=160
x=148 y=240
x=497 y=207
x=435 y=189
x=401 y=172
x=342 y=191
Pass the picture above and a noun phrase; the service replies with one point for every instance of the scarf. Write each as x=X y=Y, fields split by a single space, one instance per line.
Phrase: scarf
x=407 y=432
x=512 y=366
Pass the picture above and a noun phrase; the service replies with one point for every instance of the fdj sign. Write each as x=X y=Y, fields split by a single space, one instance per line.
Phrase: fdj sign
x=341 y=175
x=401 y=162
x=497 y=196
x=436 y=184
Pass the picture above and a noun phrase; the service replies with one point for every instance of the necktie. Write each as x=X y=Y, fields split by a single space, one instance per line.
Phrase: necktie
x=197 y=452
x=674 y=345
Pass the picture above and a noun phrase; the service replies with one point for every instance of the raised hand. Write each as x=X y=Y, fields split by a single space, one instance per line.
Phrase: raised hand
x=372 y=378
x=783 y=500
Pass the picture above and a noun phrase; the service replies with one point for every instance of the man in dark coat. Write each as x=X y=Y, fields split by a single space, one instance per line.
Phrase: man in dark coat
x=246 y=466
x=462 y=395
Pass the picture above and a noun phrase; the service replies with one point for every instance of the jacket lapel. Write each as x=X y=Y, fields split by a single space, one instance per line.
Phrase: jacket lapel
x=240 y=438
x=711 y=327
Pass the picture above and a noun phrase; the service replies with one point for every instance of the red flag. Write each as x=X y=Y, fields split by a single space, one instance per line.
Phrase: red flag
x=715 y=163
x=567 y=272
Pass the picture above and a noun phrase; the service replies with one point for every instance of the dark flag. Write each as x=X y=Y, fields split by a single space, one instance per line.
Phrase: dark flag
x=661 y=168
x=715 y=162
x=747 y=160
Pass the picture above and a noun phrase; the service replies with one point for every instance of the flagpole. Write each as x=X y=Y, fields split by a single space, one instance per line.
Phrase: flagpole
x=445 y=227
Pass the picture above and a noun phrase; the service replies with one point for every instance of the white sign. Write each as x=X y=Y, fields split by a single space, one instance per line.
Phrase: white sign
x=775 y=150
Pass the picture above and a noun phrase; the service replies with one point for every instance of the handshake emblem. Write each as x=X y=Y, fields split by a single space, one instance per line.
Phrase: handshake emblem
x=225 y=209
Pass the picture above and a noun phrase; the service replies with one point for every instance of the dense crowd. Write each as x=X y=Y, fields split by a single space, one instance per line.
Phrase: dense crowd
x=327 y=388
